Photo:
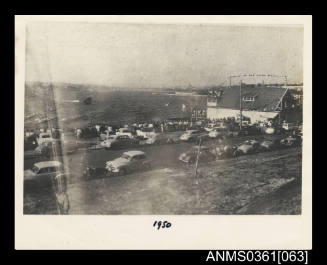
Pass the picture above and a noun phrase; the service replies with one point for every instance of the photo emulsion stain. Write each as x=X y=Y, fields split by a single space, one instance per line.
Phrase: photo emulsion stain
x=162 y=119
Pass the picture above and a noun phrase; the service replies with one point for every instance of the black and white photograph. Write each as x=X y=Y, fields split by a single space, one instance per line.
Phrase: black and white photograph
x=154 y=118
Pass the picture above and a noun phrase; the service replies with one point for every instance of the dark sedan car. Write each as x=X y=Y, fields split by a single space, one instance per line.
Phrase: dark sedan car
x=291 y=141
x=124 y=141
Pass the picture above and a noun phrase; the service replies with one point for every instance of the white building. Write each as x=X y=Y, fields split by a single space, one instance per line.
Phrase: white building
x=259 y=103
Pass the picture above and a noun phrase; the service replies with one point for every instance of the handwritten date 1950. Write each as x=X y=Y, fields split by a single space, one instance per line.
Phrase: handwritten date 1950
x=160 y=224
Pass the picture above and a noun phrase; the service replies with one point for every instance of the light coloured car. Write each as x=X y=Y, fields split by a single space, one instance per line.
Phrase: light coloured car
x=107 y=142
x=217 y=132
x=44 y=138
x=190 y=156
x=291 y=141
x=146 y=132
x=270 y=130
x=245 y=123
x=43 y=172
x=191 y=135
x=129 y=161
x=248 y=147
x=160 y=138
x=151 y=139
x=210 y=127
x=268 y=145
x=288 y=126
x=224 y=151
x=106 y=134
x=125 y=131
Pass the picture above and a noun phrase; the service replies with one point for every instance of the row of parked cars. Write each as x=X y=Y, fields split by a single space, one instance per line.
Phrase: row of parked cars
x=125 y=138
x=135 y=160
x=218 y=131
x=44 y=173
x=46 y=149
x=206 y=154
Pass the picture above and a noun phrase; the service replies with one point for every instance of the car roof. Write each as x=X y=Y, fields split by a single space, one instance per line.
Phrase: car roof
x=192 y=130
x=48 y=164
x=133 y=153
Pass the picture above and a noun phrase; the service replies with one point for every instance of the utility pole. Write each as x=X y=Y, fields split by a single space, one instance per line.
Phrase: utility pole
x=62 y=200
x=241 y=119
x=196 y=163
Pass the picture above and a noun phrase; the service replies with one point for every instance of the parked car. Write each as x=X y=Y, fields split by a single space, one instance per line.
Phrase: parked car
x=44 y=137
x=204 y=156
x=125 y=131
x=210 y=127
x=43 y=149
x=106 y=134
x=236 y=132
x=42 y=173
x=218 y=132
x=248 y=147
x=129 y=161
x=146 y=132
x=158 y=139
x=291 y=141
x=268 y=145
x=56 y=148
x=191 y=135
x=269 y=130
x=120 y=141
x=287 y=126
x=224 y=151
x=107 y=142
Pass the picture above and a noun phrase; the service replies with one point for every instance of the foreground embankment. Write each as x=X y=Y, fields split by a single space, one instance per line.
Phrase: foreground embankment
x=263 y=183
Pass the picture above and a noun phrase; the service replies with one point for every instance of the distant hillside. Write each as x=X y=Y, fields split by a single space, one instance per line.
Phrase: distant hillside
x=110 y=106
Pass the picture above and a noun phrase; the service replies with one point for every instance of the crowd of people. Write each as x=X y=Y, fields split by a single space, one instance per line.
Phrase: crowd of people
x=173 y=125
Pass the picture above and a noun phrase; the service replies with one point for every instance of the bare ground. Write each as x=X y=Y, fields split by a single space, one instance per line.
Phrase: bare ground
x=265 y=183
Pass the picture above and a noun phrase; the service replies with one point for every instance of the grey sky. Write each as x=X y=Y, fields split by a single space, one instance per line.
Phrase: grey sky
x=140 y=55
